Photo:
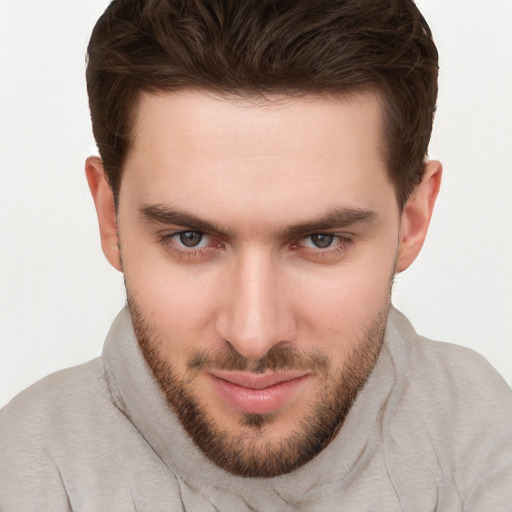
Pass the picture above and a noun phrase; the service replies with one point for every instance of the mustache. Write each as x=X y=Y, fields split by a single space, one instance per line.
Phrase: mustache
x=277 y=358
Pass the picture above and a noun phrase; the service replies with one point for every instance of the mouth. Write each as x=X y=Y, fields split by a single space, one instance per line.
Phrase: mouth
x=253 y=393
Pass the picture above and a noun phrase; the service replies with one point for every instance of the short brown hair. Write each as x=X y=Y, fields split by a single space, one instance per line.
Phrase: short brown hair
x=259 y=47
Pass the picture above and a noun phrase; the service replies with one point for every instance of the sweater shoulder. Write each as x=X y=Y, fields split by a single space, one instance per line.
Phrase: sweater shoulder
x=66 y=445
x=55 y=397
x=436 y=372
x=451 y=416
x=457 y=376
x=34 y=425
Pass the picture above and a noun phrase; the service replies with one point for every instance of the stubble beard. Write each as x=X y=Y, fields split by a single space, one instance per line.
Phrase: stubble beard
x=252 y=453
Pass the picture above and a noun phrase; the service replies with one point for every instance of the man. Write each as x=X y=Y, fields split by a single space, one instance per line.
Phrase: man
x=263 y=177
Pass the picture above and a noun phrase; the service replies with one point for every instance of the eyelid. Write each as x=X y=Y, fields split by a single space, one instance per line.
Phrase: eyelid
x=341 y=237
x=176 y=238
x=169 y=242
x=341 y=244
x=331 y=254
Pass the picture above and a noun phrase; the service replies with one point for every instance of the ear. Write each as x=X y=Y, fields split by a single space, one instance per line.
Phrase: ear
x=416 y=215
x=105 y=209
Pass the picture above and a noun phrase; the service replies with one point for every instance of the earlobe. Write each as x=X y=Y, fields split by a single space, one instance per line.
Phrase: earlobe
x=416 y=215
x=105 y=209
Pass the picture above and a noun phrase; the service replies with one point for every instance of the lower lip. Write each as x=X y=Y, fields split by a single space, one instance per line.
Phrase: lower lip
x=257 y=401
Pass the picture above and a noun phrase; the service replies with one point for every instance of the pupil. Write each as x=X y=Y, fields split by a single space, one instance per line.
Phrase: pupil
x=190 y=238
x=322 y=241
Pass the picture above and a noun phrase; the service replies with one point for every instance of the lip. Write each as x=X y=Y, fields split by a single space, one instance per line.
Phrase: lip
x=257 y=393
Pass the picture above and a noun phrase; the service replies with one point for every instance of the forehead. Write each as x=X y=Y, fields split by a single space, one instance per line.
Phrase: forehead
x=208 y=117
x=251 y=153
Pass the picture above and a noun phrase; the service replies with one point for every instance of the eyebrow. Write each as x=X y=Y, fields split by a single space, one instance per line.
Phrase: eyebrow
x=334 y=218
x=167 y=215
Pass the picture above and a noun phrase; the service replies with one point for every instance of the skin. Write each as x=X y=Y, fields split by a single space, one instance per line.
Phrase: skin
x=255 y=183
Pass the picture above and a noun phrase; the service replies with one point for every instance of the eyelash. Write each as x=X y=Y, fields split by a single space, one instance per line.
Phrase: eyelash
x=169 y=242
x=340 y=245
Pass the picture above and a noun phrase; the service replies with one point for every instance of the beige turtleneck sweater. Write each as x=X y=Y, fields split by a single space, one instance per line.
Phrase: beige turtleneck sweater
x=430 y=431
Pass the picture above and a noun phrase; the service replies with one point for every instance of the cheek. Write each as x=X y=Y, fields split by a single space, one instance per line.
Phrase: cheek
x=179 y=302
x=337 y=308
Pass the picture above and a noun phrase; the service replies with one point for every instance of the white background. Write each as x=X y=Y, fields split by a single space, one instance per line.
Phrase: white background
x=58 y=295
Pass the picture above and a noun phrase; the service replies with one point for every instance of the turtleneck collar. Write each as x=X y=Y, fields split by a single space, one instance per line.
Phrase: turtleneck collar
x=136 y=393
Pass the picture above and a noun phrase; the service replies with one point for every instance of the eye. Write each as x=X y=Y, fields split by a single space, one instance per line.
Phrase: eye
x=321 y=240
x=190 y=245
x=324 y=247
x=190 y=239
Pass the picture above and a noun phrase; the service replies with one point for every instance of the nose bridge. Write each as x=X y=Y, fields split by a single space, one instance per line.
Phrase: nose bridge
x=256 y=317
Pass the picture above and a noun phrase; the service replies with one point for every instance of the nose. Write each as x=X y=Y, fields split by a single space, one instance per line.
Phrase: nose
x=257 y=312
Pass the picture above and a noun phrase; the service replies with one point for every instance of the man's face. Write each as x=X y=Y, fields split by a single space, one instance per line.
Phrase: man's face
x=258 y=243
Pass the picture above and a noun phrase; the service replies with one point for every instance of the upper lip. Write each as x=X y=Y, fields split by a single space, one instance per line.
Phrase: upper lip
x=257 y=380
